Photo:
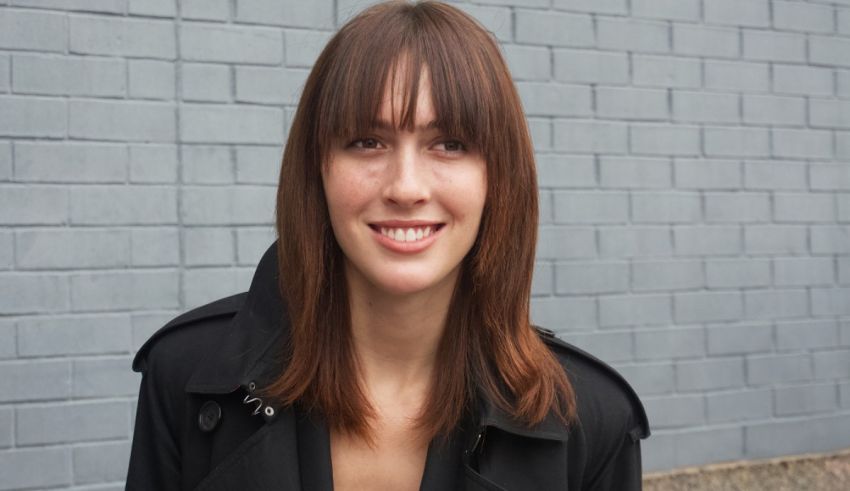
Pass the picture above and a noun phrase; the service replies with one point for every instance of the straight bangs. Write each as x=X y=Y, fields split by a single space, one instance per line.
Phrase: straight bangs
x=392 y=47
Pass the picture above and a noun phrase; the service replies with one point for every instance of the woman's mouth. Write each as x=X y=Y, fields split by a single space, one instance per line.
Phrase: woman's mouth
x=406 y=239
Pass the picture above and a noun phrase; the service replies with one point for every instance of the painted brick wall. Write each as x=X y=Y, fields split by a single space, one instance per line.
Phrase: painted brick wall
x=694 y=164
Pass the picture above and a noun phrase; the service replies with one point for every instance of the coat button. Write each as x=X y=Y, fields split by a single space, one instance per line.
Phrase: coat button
x=209 y=416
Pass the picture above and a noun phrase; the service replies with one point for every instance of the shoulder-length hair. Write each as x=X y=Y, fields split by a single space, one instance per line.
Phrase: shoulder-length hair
x=488 y=344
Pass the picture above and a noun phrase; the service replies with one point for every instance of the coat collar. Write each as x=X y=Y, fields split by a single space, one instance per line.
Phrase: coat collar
x=250 y=352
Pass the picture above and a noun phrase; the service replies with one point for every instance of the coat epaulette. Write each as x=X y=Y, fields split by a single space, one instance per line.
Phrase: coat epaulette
x=548 y=336
x=223 y=306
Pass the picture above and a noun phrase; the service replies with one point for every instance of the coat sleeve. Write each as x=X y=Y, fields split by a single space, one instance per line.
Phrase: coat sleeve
x=622 y=470
x=155 y=452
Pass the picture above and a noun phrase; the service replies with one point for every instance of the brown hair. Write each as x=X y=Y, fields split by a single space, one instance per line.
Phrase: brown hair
x=488 y=341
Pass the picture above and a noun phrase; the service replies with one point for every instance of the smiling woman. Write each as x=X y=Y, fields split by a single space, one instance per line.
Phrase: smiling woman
x=386 y=339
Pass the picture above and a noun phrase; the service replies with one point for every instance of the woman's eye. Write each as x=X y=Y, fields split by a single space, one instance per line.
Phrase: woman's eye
x=453 y=146
x=365 y=143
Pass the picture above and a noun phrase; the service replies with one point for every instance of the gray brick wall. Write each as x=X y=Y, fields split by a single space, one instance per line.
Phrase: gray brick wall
x=694 y=162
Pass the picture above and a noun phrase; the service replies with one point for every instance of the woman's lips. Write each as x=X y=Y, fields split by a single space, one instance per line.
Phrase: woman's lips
x=406 y=247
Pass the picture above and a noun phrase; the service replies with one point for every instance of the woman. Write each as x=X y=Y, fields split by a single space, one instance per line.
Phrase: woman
x=385 y=340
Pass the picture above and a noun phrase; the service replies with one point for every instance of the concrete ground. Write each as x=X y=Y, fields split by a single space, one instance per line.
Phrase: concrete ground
x=822 y=472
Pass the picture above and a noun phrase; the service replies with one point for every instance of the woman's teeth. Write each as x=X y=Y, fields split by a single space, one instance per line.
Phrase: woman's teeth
x=406 y=235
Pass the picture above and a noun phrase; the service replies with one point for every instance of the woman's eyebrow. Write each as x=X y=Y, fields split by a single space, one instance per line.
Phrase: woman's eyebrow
x=385 y=125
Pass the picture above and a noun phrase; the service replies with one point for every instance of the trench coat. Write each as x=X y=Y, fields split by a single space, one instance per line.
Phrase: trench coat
x=199 y=425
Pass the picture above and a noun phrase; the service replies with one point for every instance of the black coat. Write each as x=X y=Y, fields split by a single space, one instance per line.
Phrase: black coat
x=198 y=426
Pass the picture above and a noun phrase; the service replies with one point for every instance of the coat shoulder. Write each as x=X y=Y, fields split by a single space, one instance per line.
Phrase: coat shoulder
x=206 y=315
x=598 y=385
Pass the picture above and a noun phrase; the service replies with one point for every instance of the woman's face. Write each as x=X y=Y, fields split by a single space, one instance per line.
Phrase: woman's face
x=405 y=207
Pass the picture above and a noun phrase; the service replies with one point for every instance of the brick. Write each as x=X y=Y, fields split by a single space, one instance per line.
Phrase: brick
x=72 y=248
x=635 y=241
x=231 y=44
x=829 y=176
x=566 y=171
x=803 y=271
x=774 y=46
x=231 y=124
x=705 y=107
x=591 y=277
x=33 y=293
x=829 y=113
x=122 y=120
x=607 y=346
x=33 y=116
x=737 y=76
x=591 y=207
x=774 y=110
x=775 y=239
x=634 y=172
x=36 y=467
x=706 y=240
x=73 y=335
x=627 y=34
x=590 y=136
x=151 y=79
x=829 y=50
x=700 y=40
x=805 y=399
x=542 y=280
x=153 y=164
x=669 y=343
x=776 y=304
x=33 y=205
x=246 y=205
x=117 y=36
x=110 y=6
x=803 y=207
x=207 y=164
x=269 y=85
x=830 y=239
x=553 y=28
x=547 y=99
x=588 y=66
x=545 y=203
x=5 y=73
x=101 y=462
x=156 y=8
x=843 y=207
x=318 y=14
x=155 y=247
x=558 y=242
x=707 y=306
x=709 y=445
x=666 y=71
x=739 y=405
x=541 y=133
x=70 y=162
x=807 y=334
x=736 y=142
x=796 y=16
x=147 y=323
x=124 y=290
x=105 y=377
x=207 y=284
x=803 y=80
x=631 y=103
x=769 y=369
x=739 y=339
x=205 y=9
x=252 y=242
x=648 y=378
x=303 y=47
x=497 y=20
x=832 y=364
x=667 y=9
x=843 y=88
x=205 y=82
x=665 y=207
x=560 y=313
x=831 y=301
x=843 y=20
x=662 y=139
x=258 y=165
x=30 y=30
x=30 y=380
x=754 y=13
x=128 y=205
x=666 y=275
x=709 y=374
x=707 y=173
x=844 y=277
x=796 y=436
x=737 y=207
x=64 y=422
x=634 y=310
x=6 y=427
x=776 y=175
x=676 y=411
x=597 y=6
x=845 y=394
x=737 y=273
x=55 y=75
x=208 y=246
x=842 y=143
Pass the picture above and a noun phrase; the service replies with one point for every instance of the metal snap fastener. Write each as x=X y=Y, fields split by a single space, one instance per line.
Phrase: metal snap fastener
x=251 y=386
x=269 y=411
x=209 y=416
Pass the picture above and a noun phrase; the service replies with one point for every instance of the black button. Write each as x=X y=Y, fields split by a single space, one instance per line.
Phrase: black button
x=209 y=416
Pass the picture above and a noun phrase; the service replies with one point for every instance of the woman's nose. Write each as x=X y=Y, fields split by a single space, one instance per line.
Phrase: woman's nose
x=406 y=183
